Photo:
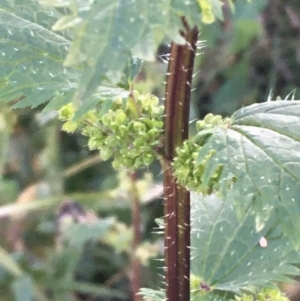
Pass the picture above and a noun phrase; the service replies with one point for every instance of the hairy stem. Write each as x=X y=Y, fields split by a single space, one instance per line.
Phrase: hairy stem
x=176 y=198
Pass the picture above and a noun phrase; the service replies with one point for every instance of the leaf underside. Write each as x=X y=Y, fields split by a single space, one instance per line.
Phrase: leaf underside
x=225 y=249
x=261 y=151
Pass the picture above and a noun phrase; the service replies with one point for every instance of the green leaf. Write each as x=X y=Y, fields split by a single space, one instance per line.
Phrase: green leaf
x=23 y=289
x=244 y=33
x=9 y=263
x=132 y=69
x=99 y=290
x=151 y=294
x=78 y=234
x=31 y=54
x=91 y=46
x=225 y=250
x=63 y=264
x=106 y=94
x=260 y=153
x=22 y=280
x=111 y=31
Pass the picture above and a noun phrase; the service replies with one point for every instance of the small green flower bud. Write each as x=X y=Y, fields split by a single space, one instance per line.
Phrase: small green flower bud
x=91 y=117
x=139 y=126
x=93 y=144
x=154 y=101
x=216 y=120
x=200 y=125
x=105 y=153
x=154 y=132
x=110 y=141
x=120 y=117
x=140 y=141
x=69 y=127
x=148 y=159
x=138 y=162
x=67 y=112
x=122 y=130
x=116 y=164
x=106 y=120
x=208 y=118
x=118 y=101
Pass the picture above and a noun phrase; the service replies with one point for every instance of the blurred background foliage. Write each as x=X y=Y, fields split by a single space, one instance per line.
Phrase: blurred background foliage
x=66 y=230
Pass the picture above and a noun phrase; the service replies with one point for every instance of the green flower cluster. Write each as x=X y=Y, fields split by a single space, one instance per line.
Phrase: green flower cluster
x=210 y=121
x=202 y=292
x=187 y=170
x=264 y=295
x=129 y=131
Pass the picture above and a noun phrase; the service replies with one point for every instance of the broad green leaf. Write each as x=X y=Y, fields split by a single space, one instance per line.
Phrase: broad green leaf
x=261 y=152
x=226 y=252
x=52 y=48
x=31 y=54
x=108 y=32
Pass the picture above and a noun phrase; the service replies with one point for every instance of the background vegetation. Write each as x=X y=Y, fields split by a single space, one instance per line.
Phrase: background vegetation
x=49 y=178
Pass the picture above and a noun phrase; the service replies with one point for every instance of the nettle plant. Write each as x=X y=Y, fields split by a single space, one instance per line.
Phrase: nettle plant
x=240 y=234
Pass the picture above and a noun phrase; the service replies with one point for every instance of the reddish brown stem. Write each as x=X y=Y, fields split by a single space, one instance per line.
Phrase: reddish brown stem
x=176 y=198
x=136 y=224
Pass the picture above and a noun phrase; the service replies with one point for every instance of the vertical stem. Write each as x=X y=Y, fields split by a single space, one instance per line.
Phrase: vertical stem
x=54 y=174
x=136 y=224
x=5 y=130
x=177 y=199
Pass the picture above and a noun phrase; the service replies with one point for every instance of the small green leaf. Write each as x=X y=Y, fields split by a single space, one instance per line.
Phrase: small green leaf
x=132 y=69
x=80 y=233
x=151 y=294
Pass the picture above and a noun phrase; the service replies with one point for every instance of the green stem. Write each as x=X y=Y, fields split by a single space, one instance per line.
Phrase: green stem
x=177 y=199
x=136 y=224
x=54 y=174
